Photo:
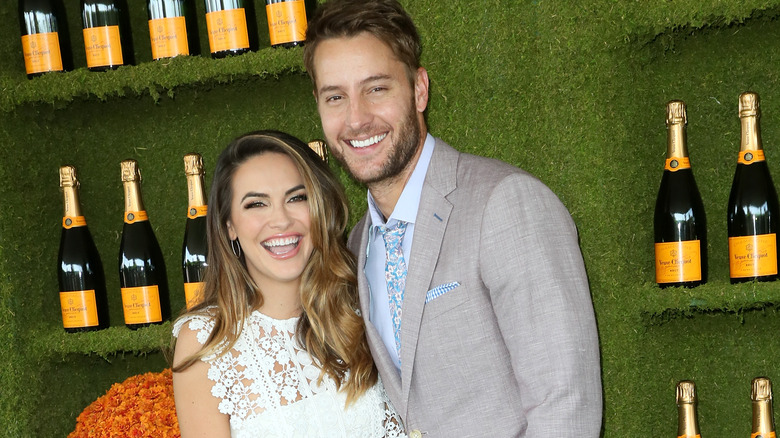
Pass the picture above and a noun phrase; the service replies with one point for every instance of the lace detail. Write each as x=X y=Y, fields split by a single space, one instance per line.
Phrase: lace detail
x=268 y=386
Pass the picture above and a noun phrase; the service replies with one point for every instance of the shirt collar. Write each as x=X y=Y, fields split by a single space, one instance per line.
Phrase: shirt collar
x=409 y=201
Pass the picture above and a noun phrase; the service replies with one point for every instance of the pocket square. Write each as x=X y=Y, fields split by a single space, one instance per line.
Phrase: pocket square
x=440 y=290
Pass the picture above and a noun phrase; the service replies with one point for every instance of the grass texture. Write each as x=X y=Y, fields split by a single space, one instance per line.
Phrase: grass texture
x=573 y=92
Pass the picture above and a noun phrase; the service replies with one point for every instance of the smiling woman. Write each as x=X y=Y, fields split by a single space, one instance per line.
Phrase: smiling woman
x=277 y=346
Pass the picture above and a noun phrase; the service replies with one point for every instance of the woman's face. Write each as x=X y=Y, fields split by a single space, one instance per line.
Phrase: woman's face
x=269 y=215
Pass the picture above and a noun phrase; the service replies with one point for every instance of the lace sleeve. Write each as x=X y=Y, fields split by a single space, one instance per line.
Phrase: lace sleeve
x=202 y=325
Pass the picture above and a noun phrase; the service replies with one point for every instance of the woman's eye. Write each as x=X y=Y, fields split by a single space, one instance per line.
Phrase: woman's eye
x=299 y=198
x=254 y=204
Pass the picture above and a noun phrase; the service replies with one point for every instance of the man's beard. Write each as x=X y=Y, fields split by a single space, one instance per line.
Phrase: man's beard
x=403 y=150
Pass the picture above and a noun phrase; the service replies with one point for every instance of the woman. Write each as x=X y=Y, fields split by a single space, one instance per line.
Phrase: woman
x=277 y=348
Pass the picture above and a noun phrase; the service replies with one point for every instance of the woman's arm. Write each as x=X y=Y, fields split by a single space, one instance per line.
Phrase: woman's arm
x=196 y=408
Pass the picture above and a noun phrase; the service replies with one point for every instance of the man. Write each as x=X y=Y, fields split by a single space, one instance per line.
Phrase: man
x=480 y=320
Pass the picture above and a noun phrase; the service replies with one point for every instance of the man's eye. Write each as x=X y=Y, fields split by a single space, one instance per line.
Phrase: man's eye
x=333 y=99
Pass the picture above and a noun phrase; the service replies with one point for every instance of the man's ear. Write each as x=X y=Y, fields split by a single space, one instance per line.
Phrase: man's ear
x=421 y=89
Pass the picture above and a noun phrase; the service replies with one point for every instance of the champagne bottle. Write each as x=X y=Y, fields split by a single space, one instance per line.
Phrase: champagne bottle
x=107 y=40
x=194 y=249
x=286 y=22
x=83 y=297
x=172 y=28
x=753 y=208
x=680 y=224
x=228 y=26
x=321 y=148
x=45 y=39
x=687 y=423
x=142 y=276
x=763 y=416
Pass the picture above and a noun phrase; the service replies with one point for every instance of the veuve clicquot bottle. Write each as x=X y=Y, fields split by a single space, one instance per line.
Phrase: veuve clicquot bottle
x=142 y=276
x=228 y=23
x=763 y=415
x=286 y=22
x=106 y=28
x=83 y=297
x=687 y=422
x=679 y=223
x=753 y=208
x=194 y=249
x=172 y=28
x=45 y=39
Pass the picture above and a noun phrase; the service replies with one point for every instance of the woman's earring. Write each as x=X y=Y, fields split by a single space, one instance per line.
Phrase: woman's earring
x=236 y=246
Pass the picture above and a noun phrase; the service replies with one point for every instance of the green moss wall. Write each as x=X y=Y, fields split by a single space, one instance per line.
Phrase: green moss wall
x=574 y=92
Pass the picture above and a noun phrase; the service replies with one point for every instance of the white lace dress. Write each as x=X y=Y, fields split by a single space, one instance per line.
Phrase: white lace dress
x=267 y=384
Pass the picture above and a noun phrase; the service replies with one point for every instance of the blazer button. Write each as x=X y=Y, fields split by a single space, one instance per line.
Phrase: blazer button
x=415 y=434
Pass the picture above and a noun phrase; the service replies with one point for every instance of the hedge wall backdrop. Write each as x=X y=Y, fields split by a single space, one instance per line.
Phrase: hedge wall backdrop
x=574 y=92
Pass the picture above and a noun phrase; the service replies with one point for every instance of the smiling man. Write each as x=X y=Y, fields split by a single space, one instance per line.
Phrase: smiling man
x=471 y=281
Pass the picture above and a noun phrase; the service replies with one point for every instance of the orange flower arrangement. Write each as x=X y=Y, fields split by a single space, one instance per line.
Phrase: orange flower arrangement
x=141 y=406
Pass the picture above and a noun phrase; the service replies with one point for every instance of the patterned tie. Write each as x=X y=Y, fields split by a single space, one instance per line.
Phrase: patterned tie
x=395 y=274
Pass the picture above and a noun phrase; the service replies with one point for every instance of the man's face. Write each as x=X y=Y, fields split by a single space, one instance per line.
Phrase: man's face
x=371 y=114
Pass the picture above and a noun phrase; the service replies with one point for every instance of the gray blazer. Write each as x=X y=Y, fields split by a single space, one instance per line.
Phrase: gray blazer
x=498 y=336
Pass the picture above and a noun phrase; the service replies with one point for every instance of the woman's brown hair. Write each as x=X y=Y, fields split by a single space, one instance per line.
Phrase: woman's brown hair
x=330 y=328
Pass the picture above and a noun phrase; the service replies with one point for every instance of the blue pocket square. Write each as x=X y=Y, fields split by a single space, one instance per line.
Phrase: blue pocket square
x=440 y=290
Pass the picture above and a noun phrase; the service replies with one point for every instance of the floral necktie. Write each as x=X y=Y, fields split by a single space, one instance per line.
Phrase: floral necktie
x=395 y=274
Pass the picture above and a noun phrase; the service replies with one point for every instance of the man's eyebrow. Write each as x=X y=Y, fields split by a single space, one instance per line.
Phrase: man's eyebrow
x=374 y=78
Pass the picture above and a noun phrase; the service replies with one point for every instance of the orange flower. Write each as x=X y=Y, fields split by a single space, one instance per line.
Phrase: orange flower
x=142 y=406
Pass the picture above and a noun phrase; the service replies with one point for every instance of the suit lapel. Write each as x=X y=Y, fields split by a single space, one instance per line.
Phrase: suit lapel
x=390 y=378
x=430 y=224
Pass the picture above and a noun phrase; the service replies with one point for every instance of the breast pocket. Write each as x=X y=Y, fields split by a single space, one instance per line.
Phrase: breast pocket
x=444 y=298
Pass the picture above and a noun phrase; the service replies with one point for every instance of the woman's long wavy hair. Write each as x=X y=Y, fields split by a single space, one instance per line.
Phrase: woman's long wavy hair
x=329 y=327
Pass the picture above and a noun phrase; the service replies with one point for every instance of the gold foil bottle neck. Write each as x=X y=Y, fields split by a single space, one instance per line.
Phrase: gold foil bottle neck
x=193 y=164
x=686 y=392
x=749 y=104
x=68 y=177
x=675 y=113
x=761 y=389
x=321 y=148
x=130 y=171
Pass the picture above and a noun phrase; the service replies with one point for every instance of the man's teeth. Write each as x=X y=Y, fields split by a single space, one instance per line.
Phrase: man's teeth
x=368 y=142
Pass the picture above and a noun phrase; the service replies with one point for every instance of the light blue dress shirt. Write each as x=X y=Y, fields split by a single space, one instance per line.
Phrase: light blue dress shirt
x=405 y=210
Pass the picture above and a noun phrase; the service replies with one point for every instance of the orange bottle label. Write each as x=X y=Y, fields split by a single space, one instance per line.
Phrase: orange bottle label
x=675 y=164
x=753 y=256
x=286 y=21
x=103 y=46
x=79 y=309
x=762 y=435
x=676 y=262
x=135 y=216
x=41 y=52
x=193 y=294
x=689 y=436
x=196 y=212
x=227 y=30
x=168 y=37
x=69 y=222
x=141 y=304
x=750 y=157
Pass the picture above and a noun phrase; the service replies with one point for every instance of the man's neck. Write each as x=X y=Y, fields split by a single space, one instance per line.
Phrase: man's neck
x=387 y=192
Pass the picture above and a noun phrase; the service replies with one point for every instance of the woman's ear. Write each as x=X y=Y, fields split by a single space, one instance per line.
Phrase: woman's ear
x=231 y=232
